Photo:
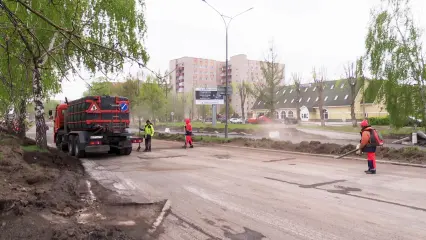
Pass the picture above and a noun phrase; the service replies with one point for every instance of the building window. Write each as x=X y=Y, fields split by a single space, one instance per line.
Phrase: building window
x=290 y=114
x=276 y=115
x=335 y=98
x=308 y=100
x=365 y=115
x=316 y=100
x=292 y=100
x=283 y=115
x=285 y=100
x=325 y=114
x=315 y=88
x=332 y=86
x=325 y=99
x=346 y=97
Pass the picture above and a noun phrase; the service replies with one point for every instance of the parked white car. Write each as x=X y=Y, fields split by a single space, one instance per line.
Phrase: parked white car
x=235 y=120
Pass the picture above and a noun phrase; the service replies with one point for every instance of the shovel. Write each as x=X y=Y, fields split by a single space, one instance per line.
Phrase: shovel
x=346 y=154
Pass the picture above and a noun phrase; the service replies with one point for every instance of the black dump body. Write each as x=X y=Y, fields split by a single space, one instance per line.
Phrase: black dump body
x=98 y=113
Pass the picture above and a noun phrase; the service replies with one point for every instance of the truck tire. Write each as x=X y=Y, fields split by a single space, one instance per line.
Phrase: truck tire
x=124 y=151
x=71 y=146
x=79 y=153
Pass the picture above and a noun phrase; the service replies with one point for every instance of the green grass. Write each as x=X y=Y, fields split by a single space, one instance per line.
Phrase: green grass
x=209 y=125
x=384 y=130
x=33 y=148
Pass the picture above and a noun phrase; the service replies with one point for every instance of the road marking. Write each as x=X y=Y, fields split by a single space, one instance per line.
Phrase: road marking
x=160 y=217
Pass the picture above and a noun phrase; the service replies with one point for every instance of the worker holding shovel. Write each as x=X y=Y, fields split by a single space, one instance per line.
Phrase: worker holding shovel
x=368 y=146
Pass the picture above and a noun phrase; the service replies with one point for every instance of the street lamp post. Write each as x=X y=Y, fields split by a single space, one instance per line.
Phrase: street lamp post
x=226 y=62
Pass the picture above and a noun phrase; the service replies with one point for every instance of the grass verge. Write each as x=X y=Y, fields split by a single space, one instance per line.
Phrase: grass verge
x=406 y=155
x=32 y=148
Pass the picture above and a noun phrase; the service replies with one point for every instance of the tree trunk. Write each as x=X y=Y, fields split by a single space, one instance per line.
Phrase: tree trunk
x=41 y=139
x=9 y=121
x=21 y=116
x=353 y=116
x=321 y=109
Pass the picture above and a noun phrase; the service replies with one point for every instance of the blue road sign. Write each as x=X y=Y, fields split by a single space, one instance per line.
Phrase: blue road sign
x=124 y=107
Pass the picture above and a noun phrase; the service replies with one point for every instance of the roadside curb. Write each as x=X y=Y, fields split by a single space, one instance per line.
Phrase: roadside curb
x=327 y=156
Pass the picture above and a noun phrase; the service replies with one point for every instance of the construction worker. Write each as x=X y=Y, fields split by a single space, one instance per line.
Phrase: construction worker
x=188 y=133
x=366 y=146
x=149 y=133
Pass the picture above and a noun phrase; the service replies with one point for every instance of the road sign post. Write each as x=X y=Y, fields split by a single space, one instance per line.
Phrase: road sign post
x=214 y=114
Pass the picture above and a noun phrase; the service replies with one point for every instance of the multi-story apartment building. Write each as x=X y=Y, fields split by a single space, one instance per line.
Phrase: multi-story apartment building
x=189 y=73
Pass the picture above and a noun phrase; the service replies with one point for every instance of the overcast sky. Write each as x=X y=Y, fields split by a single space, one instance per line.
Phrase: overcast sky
x=306 y=33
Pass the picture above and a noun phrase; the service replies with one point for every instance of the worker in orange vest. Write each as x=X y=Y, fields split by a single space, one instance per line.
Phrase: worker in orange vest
x=367 y=147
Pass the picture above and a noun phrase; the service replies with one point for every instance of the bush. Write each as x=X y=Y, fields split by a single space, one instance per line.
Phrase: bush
x=381 y=121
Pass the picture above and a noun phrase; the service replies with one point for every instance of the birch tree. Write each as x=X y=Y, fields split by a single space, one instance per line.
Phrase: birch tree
x=319 y=79
x=354 y=77
x=61 y=36
x=266 y=89
x=395 y=53
x=297 y=80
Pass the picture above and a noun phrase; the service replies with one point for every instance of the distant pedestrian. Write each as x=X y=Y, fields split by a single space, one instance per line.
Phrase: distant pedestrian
x=188 y=133
x=148 y=134
x=367 y=146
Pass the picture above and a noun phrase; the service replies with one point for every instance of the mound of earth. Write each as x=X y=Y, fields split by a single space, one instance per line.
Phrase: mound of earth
x=408 y=154
x=47 y=195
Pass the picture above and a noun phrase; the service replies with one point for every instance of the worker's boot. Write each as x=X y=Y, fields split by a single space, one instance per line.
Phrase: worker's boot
x=192 y=146
x=370 y=167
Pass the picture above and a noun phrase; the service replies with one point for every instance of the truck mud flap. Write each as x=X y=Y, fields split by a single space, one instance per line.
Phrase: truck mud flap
x=98 y=149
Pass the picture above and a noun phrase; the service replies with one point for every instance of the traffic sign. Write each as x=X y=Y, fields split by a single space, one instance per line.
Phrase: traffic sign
x=124 y=107
x=221 y=90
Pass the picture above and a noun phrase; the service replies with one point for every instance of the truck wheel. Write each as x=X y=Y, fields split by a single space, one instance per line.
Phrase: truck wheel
x=124 y=151
x=127 y=151
x=79 y=153
x=71 y=146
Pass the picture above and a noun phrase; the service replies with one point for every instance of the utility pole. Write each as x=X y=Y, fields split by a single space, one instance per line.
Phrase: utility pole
x=226 y=62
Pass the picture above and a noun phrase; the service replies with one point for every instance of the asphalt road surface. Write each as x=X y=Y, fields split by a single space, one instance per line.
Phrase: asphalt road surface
x=236 y=193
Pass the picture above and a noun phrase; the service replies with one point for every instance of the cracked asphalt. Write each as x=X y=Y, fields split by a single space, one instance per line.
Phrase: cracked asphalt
x=234 y=193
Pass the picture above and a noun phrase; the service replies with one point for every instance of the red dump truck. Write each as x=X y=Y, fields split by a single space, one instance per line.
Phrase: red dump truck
x=93 y=124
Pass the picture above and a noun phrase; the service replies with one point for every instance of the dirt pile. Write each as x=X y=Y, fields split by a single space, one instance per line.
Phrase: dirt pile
x=47 y=195
x=207 y=129
x=408 y=154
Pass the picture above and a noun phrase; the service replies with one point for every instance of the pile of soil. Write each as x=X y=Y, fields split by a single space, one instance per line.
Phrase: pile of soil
x=408 y=154
x=47 y=195
x=207 y=129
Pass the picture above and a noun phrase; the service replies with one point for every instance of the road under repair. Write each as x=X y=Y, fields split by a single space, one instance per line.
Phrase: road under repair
x=237 y=193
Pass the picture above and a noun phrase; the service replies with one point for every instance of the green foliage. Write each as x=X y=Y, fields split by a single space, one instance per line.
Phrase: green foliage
x=49 y=105
x=101 y=86
x=152 y=96
x=223 y=110
x=394 y=51
x=379 y=121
